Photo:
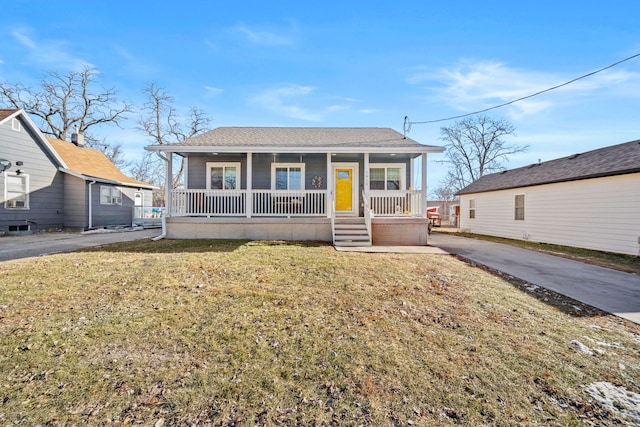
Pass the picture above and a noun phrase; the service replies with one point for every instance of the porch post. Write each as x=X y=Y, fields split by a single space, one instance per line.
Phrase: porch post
x=329 y=197
x=424 y=185
x=249 y=200
x=366 y=174
x=169 y=184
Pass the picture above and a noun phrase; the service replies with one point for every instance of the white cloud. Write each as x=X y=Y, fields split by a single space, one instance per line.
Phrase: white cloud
x=264 y=37
x=470 y=86
x=286 y=100
x=52 y=54
x=212 y=91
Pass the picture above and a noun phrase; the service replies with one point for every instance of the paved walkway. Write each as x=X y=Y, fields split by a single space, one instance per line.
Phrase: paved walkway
x=609 y=290
x=16 y=247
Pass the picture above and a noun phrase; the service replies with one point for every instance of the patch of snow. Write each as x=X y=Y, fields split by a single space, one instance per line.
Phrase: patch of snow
x=583 y=348
x=533 y=288
x=111 y=230
x=617 y=399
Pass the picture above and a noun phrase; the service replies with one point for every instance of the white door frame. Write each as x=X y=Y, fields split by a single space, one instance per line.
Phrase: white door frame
x=355 y=186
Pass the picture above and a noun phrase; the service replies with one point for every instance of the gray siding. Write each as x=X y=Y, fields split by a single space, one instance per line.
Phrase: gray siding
x=46 y=183
x=75 y=203
x=106 y=215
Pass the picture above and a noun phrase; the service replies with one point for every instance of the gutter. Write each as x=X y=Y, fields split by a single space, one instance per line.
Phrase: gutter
x=164 y=216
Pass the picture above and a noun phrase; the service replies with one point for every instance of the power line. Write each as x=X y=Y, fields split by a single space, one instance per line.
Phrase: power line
x=407 y=123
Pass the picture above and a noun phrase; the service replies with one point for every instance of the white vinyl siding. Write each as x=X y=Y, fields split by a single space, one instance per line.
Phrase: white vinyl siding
x=16 y=191
x=110 y=195
x=599 y=213
x=223 y=176
x=287 y=176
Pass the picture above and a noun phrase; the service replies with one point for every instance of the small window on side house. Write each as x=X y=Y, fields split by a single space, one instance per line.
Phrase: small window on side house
x=15 y=125
x=519 y=207
x=110 y=195
x=472 y=208
x=17 y=192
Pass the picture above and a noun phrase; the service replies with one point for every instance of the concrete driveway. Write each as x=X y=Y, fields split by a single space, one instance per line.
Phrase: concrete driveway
x=16 y=247
x=609 y=290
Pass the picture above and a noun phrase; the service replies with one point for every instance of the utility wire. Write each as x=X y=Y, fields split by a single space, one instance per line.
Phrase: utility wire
x=407 y=123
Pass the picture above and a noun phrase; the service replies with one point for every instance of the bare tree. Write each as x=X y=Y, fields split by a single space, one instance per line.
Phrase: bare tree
x=475 y=147
x=65 y=102
x=163 y=125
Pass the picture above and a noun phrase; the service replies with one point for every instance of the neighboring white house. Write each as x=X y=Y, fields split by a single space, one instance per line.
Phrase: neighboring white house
x=588 y=200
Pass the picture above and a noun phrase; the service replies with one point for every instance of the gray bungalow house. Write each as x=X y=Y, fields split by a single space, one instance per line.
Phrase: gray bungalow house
x=351 y=186
x=587 y=200
x=49 y=184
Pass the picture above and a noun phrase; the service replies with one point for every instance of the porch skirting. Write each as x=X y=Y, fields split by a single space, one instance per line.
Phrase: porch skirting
x=314 y=229
x=399 y=231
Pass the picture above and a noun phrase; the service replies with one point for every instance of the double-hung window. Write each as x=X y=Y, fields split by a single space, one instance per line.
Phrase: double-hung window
x=223 y=176
x=110 y=195
x=472 y=208
x=387 y=177
x=16 y=191
x=287 y=176
x=519 y=207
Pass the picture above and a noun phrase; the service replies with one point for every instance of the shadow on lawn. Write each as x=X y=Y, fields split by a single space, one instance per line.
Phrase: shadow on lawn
x=194 y=245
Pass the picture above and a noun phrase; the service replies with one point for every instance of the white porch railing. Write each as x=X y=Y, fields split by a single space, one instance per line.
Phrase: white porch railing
x=396 y=202
x=289 y=203
x=234 y=203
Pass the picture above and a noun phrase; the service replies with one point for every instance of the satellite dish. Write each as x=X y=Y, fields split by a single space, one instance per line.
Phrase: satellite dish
x=4 y=165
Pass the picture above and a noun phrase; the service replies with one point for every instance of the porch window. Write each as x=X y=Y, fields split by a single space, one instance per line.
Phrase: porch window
x=287 y=176
x=17 y=192
x=387 y=177
x=472 y=208
x=110 y=195
x=223 y=176
x=519 y=207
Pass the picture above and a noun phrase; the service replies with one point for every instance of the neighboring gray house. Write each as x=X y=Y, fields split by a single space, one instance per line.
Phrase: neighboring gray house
x=351 y=186
x=54 y=185
x=588 y=200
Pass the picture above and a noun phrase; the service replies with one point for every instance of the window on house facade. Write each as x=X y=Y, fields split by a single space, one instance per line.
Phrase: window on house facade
x=16 y=192
x=110 y=195
x=15 y=125
x=519 y=207
x=472 y=208
x=223 y=176
x=387 y=177
x=287 y=176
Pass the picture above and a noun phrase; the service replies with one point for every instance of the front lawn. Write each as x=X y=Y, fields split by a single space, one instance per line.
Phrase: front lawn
x=236 y=333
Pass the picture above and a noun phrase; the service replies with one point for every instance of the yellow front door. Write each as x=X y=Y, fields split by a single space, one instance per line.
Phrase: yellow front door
x=344 y=189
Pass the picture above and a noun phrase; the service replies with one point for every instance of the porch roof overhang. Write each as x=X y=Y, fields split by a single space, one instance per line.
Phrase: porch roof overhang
x=187 y=150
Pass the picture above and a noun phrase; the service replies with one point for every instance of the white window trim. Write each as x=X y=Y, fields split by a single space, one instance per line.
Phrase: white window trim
x=15 y=125
x=6 y=192
x=403 y=172
x=274 y=166
x=224 y=165
x=118 y=200
x=472 y=208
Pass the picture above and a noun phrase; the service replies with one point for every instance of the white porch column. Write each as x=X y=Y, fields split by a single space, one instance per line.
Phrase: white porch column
x=424 y=185
x=329 y=199
x=169 y=184
x=249 y=201
x=367 y=184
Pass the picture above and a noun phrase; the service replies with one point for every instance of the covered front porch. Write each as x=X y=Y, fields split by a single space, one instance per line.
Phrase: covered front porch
x=350 y=186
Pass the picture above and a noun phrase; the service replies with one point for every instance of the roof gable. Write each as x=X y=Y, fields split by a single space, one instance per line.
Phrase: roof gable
x=6 y=113
x=608 y=161
x=300 y=138
x=91 y=163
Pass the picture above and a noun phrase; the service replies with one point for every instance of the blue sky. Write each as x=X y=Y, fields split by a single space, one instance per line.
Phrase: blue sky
x=350 y=63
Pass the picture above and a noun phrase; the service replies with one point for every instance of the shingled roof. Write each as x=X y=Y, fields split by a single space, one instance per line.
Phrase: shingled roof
x=6 y=112
x=91 y=163
x=608 y=161
x=301 y=138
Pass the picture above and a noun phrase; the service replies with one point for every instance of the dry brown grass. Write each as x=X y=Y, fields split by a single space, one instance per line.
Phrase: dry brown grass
x=256 y=333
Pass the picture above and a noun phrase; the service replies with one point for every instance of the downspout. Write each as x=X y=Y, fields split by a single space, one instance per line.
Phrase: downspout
x=166 y=197
x=90 y=225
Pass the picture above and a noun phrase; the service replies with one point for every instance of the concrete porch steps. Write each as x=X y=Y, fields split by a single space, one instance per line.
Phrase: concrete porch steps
x=349 y=231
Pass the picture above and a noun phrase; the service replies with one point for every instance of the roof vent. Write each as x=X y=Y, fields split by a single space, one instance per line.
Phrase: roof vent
x=573 y=156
